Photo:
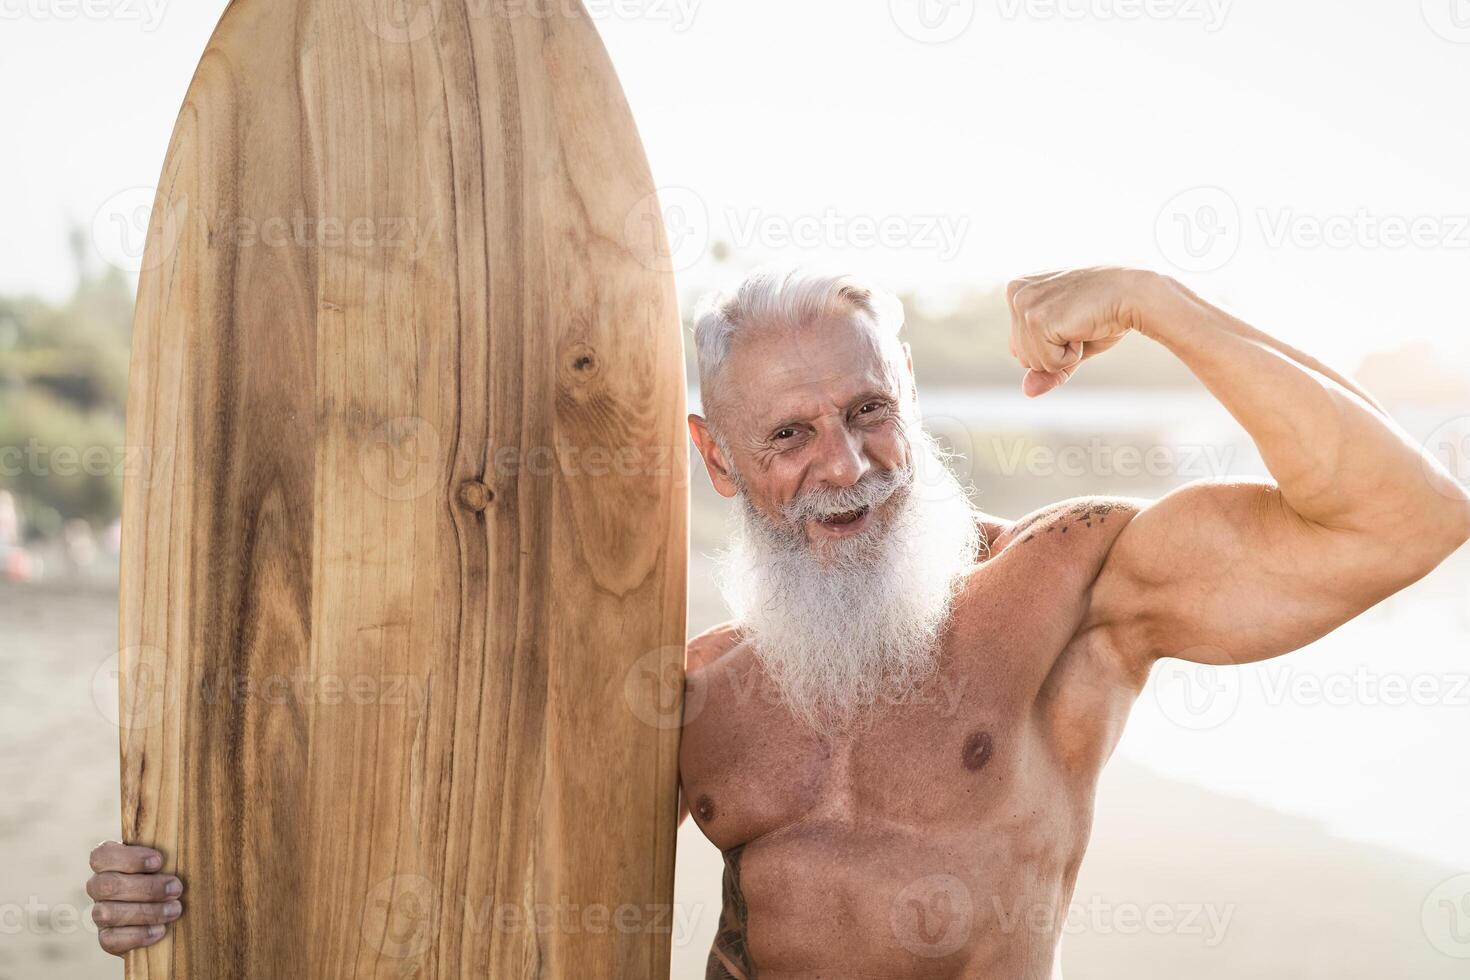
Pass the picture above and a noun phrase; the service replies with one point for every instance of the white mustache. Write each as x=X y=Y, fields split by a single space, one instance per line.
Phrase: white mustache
x=838 y=628
x=868 y=494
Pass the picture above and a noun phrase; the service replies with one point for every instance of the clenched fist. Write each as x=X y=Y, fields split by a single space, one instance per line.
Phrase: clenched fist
x=135 y=902
x=1060 y=319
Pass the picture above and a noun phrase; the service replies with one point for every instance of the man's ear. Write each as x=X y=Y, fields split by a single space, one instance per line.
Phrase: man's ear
x=719 y=468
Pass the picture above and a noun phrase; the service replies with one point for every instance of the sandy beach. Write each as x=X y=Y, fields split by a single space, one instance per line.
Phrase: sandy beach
x=1180 y=882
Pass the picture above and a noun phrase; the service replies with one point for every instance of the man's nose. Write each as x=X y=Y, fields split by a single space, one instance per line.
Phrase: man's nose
x=842 y=460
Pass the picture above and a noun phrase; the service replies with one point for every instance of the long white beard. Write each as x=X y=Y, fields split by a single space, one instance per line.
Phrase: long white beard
x=839 y=626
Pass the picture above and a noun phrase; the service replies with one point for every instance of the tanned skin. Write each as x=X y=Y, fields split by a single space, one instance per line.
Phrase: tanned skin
x=942 y=839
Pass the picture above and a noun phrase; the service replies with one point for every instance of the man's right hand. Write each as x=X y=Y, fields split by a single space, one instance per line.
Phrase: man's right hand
x=135 y=902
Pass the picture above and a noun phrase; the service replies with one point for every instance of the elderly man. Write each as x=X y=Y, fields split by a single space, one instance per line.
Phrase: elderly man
x=897 y=740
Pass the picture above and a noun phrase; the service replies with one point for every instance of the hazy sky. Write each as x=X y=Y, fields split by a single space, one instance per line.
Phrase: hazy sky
x=939 y=143
x=1303 y=160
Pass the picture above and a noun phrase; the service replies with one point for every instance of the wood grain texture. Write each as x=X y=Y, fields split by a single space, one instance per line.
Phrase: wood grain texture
x=403 y=593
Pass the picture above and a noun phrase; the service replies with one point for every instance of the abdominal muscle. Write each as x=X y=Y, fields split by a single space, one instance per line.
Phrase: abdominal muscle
x=844 y=900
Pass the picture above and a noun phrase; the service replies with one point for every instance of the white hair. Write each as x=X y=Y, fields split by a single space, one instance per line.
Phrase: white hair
x=791 y=298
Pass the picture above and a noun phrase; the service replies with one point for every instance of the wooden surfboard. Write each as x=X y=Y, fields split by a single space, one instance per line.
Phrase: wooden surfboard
x=403 y=585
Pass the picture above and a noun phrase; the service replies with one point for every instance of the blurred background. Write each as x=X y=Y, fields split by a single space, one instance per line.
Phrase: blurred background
x=1302 y=164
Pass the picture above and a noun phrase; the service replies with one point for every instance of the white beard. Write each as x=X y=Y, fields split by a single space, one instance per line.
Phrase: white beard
x=840 y=625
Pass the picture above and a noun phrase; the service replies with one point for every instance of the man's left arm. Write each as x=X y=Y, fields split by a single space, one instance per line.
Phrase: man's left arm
x=1236 y=572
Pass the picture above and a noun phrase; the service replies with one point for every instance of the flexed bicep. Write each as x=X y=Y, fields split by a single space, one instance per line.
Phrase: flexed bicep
x=1228 y=573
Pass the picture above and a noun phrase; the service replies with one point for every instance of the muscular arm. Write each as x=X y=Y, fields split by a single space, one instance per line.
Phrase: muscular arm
x=1234 y=572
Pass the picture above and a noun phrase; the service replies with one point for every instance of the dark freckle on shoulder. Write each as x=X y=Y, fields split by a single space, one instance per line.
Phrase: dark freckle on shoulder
x=978 y=749
x=705 y=807
x=1064 y=528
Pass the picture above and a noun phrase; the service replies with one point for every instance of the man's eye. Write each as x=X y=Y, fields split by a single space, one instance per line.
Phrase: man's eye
x=870 y=408
x=785 y=434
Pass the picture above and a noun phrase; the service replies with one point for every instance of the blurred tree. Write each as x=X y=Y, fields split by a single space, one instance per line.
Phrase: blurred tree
x=63 y=387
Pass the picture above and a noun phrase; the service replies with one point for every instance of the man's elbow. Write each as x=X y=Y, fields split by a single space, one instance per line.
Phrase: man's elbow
x=1449 y=508
x=1408 y=545
x=1459 y=522
x=1443 y=531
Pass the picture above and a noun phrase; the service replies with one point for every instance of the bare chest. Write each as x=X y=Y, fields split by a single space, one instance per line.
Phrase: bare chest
x=1009 y=722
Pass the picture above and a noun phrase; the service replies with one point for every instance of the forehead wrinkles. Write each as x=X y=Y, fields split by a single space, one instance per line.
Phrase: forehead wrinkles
x=781 y=368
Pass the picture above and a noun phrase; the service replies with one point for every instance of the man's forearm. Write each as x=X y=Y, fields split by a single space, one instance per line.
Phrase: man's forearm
x=1337 y=456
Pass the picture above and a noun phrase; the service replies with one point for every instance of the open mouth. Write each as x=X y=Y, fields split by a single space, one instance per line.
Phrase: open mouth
x=845 y=518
